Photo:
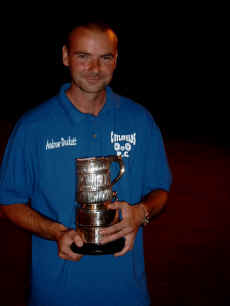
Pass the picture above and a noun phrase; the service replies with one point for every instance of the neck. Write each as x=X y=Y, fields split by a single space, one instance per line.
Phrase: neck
x=87 y=103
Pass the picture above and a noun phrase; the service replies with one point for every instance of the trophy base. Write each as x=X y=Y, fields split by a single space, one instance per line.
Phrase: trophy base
x=99 y=249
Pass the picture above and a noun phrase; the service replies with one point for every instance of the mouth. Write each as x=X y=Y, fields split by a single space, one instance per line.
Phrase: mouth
x=93 y=80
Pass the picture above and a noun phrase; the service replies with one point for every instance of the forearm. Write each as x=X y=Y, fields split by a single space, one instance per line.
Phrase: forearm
x=155 y=201
x=28 y=219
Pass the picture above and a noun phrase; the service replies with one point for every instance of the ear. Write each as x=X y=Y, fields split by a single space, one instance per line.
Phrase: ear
x=116 y=57
x=65 y=56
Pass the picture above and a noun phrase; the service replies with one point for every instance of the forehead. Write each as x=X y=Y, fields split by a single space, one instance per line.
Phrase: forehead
x=94 y=40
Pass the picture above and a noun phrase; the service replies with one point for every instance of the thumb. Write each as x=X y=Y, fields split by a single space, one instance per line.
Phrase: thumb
x=78 y=239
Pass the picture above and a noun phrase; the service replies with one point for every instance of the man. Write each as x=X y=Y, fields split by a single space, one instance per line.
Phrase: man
x=86 y=119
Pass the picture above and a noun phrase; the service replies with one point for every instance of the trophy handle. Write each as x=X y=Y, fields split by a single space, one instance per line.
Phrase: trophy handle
x=117 y=159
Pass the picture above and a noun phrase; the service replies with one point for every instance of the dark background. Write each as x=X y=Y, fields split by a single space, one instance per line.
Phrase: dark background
x=170 y=60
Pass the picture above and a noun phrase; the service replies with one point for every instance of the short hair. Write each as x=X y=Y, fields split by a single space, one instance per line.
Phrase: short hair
x=91 y=24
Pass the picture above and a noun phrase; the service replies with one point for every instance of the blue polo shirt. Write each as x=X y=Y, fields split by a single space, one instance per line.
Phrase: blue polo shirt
x=39 y=165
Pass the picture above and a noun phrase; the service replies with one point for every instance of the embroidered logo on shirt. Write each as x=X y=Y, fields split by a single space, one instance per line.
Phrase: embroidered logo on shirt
x=123 y=143
x=62 y=142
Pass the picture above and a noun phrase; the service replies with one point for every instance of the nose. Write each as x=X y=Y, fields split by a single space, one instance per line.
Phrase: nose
x=95 y=65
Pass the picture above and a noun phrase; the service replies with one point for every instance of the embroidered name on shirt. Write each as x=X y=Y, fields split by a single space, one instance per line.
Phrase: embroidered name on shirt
x=61 y=143
x=131 y=138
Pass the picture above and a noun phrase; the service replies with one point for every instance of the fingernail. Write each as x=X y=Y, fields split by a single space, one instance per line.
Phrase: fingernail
x=79 y=244
x=101 y=231
x=102 y=241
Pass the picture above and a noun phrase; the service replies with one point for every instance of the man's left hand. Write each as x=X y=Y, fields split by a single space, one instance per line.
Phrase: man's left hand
x=132 y=218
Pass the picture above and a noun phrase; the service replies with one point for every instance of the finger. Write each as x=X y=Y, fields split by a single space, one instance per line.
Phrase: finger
x=78 y=241
x=64 y=245
x=117 y=205
x=121 y=226
x=114 y=236
x=116 y=217
x=77 y=237
x=129 y=242
x=112 y=229
x=70 y=256
x=122 y=252
x=125 y=249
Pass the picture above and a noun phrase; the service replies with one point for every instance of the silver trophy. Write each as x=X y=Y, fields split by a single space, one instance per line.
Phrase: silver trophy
x=94 y=192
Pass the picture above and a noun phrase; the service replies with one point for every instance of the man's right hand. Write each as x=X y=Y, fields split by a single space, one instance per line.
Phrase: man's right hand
x=24 y=216
x=64 y=241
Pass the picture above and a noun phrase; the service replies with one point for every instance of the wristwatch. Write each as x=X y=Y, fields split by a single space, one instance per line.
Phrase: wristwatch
x=147 y=217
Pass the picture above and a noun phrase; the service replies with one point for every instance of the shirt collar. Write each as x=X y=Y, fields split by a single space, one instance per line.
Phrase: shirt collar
x=74 y=114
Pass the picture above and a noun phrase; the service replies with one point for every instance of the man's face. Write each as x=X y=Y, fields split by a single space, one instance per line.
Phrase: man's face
x=91 y=58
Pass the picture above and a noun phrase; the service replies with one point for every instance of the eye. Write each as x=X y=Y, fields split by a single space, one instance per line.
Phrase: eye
x=108 y=58
x=82 y=56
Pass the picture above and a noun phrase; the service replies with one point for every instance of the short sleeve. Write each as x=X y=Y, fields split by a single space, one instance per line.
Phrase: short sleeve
x=16 y=171
x=157 y=173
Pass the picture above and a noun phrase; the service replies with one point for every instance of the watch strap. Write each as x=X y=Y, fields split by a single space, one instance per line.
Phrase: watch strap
x=147 y=217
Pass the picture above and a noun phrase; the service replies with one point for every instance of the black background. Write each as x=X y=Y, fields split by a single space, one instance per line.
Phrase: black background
x=170 y=60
